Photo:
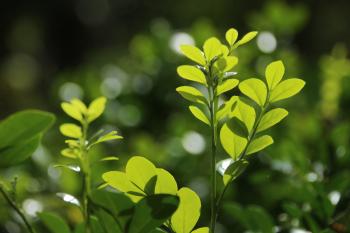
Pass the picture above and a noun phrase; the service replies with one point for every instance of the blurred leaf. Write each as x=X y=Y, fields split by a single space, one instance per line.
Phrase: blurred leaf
x=96 y=108
x=259 y=144
x=113 y=135
x=71 y=130
x=192 y=73
x=54 y=223
x=191 y=94
x=193 y=53
x=72 y=111
x=274 y=73
x=234 y=170
x=286 y=89
x=254 y=89
x=199 y=114
x=152 y=211
x=95 y=224
x=110 y=158
x=201 y=230
x=226 y=86
x=271 y=118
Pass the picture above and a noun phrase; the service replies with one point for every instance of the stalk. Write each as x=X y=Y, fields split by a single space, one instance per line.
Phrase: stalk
x=17 y=209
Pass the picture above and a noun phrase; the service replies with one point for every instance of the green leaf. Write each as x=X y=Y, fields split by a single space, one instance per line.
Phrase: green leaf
x=72 y=111
x=231 y=36
x=70 y=153
x=166 y=184
x=54 y=223
x=238 y=127
x=95 y=225
x=225 y=64
x=271 y=118
x=188 y=212
x=274 y=73
x=121 y=182
x=199 y=114
x=71 y=130
x=12 y=155
x=152 y=211
x=246 y=38
x=259 y=144
x=140 y=171
x=96 y=108
x=191 y=94
x=227 y=85
x=113 y=135
x=212 y=48
x=192 y=73
x=78 y=104
x=254 y=89
x=201 y=230
x=23 y=126
x=193 y=53
x=286 y=89
x=234 y=171
x=110 y=158
x=226 y=108
x=231 y=142
x=245 y=113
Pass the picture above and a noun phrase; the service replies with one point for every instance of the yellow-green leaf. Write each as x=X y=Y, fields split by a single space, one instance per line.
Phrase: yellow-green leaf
x=274 y=73
x=113 y=135
x=286 y=89
x=212 y=48
x=96 y=108
x=231 y=36
x=193 y=53
x=109 y=158
x=271 y=118
x=231 y=142
x=227 y=85
x=259 y=144
x=226 y=108
x=234 y=170
x=72 y=111
x=199 y=114
x=188 y=212
x=225 y=64
x=254 y=89
x=201 y=230
x=191 y=94
x=69 y=153
x=245 y=113
x=121 y=182
x=166 y=184
x=79 y=105
x=246 y=38
x=71 y=130
x=191 y=73
x=141 y=172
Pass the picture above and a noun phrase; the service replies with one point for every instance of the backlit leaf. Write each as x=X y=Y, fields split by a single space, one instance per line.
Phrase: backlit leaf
x=286 y=89
x=234 y=170
x=70 y=153
x=226 y=108
x=72 y=111
x=201 y=230
x=271 y=118
x=212 y=48
x=191 y=94
x=188 y=212
x=274 y=73
x=227 y=85
x=231 y=142
x=191 y=73
x=231 y=36
x=199 y=114
x=54 y=223
x=225 y=64
x=110 y=158
x=77 y=103
x=245 y=113
x=96 y=108
x=193 y=53
x=259 y=144
x=254 y=89
x=246 y=38
x=166 y=184
x=113 y=135
x=71 y=130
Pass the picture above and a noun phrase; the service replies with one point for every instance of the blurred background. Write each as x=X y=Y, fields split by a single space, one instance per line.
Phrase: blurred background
x=128 y=51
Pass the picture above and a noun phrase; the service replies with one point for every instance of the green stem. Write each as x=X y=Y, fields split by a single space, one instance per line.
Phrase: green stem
x=17 y=210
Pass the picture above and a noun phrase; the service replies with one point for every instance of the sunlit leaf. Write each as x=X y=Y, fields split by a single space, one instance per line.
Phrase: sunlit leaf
x=70 y=153
x=259 y=144
x=231 y=142
x=234 y=171
x=192 y=73
x=224 y=50
x=225 y=64
x=245 y=113
x=274 y=73
x=227 y=85
x=199 y=114
x=231 y=36
x=188 y=212
x=96 y=108
x=254 y=89
x=201 y=230
x=271 y=118
x=191 y=94
x=286 y=89
x=193 y=53
x=77 y=103
x=113 y=135
x=246 y=38
x=54 y=223
x=212 y=48
x=71 y=130
x=72 y=111
x=166 y=184
x=226 y=108
x=152 y=211
x=110 y=158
